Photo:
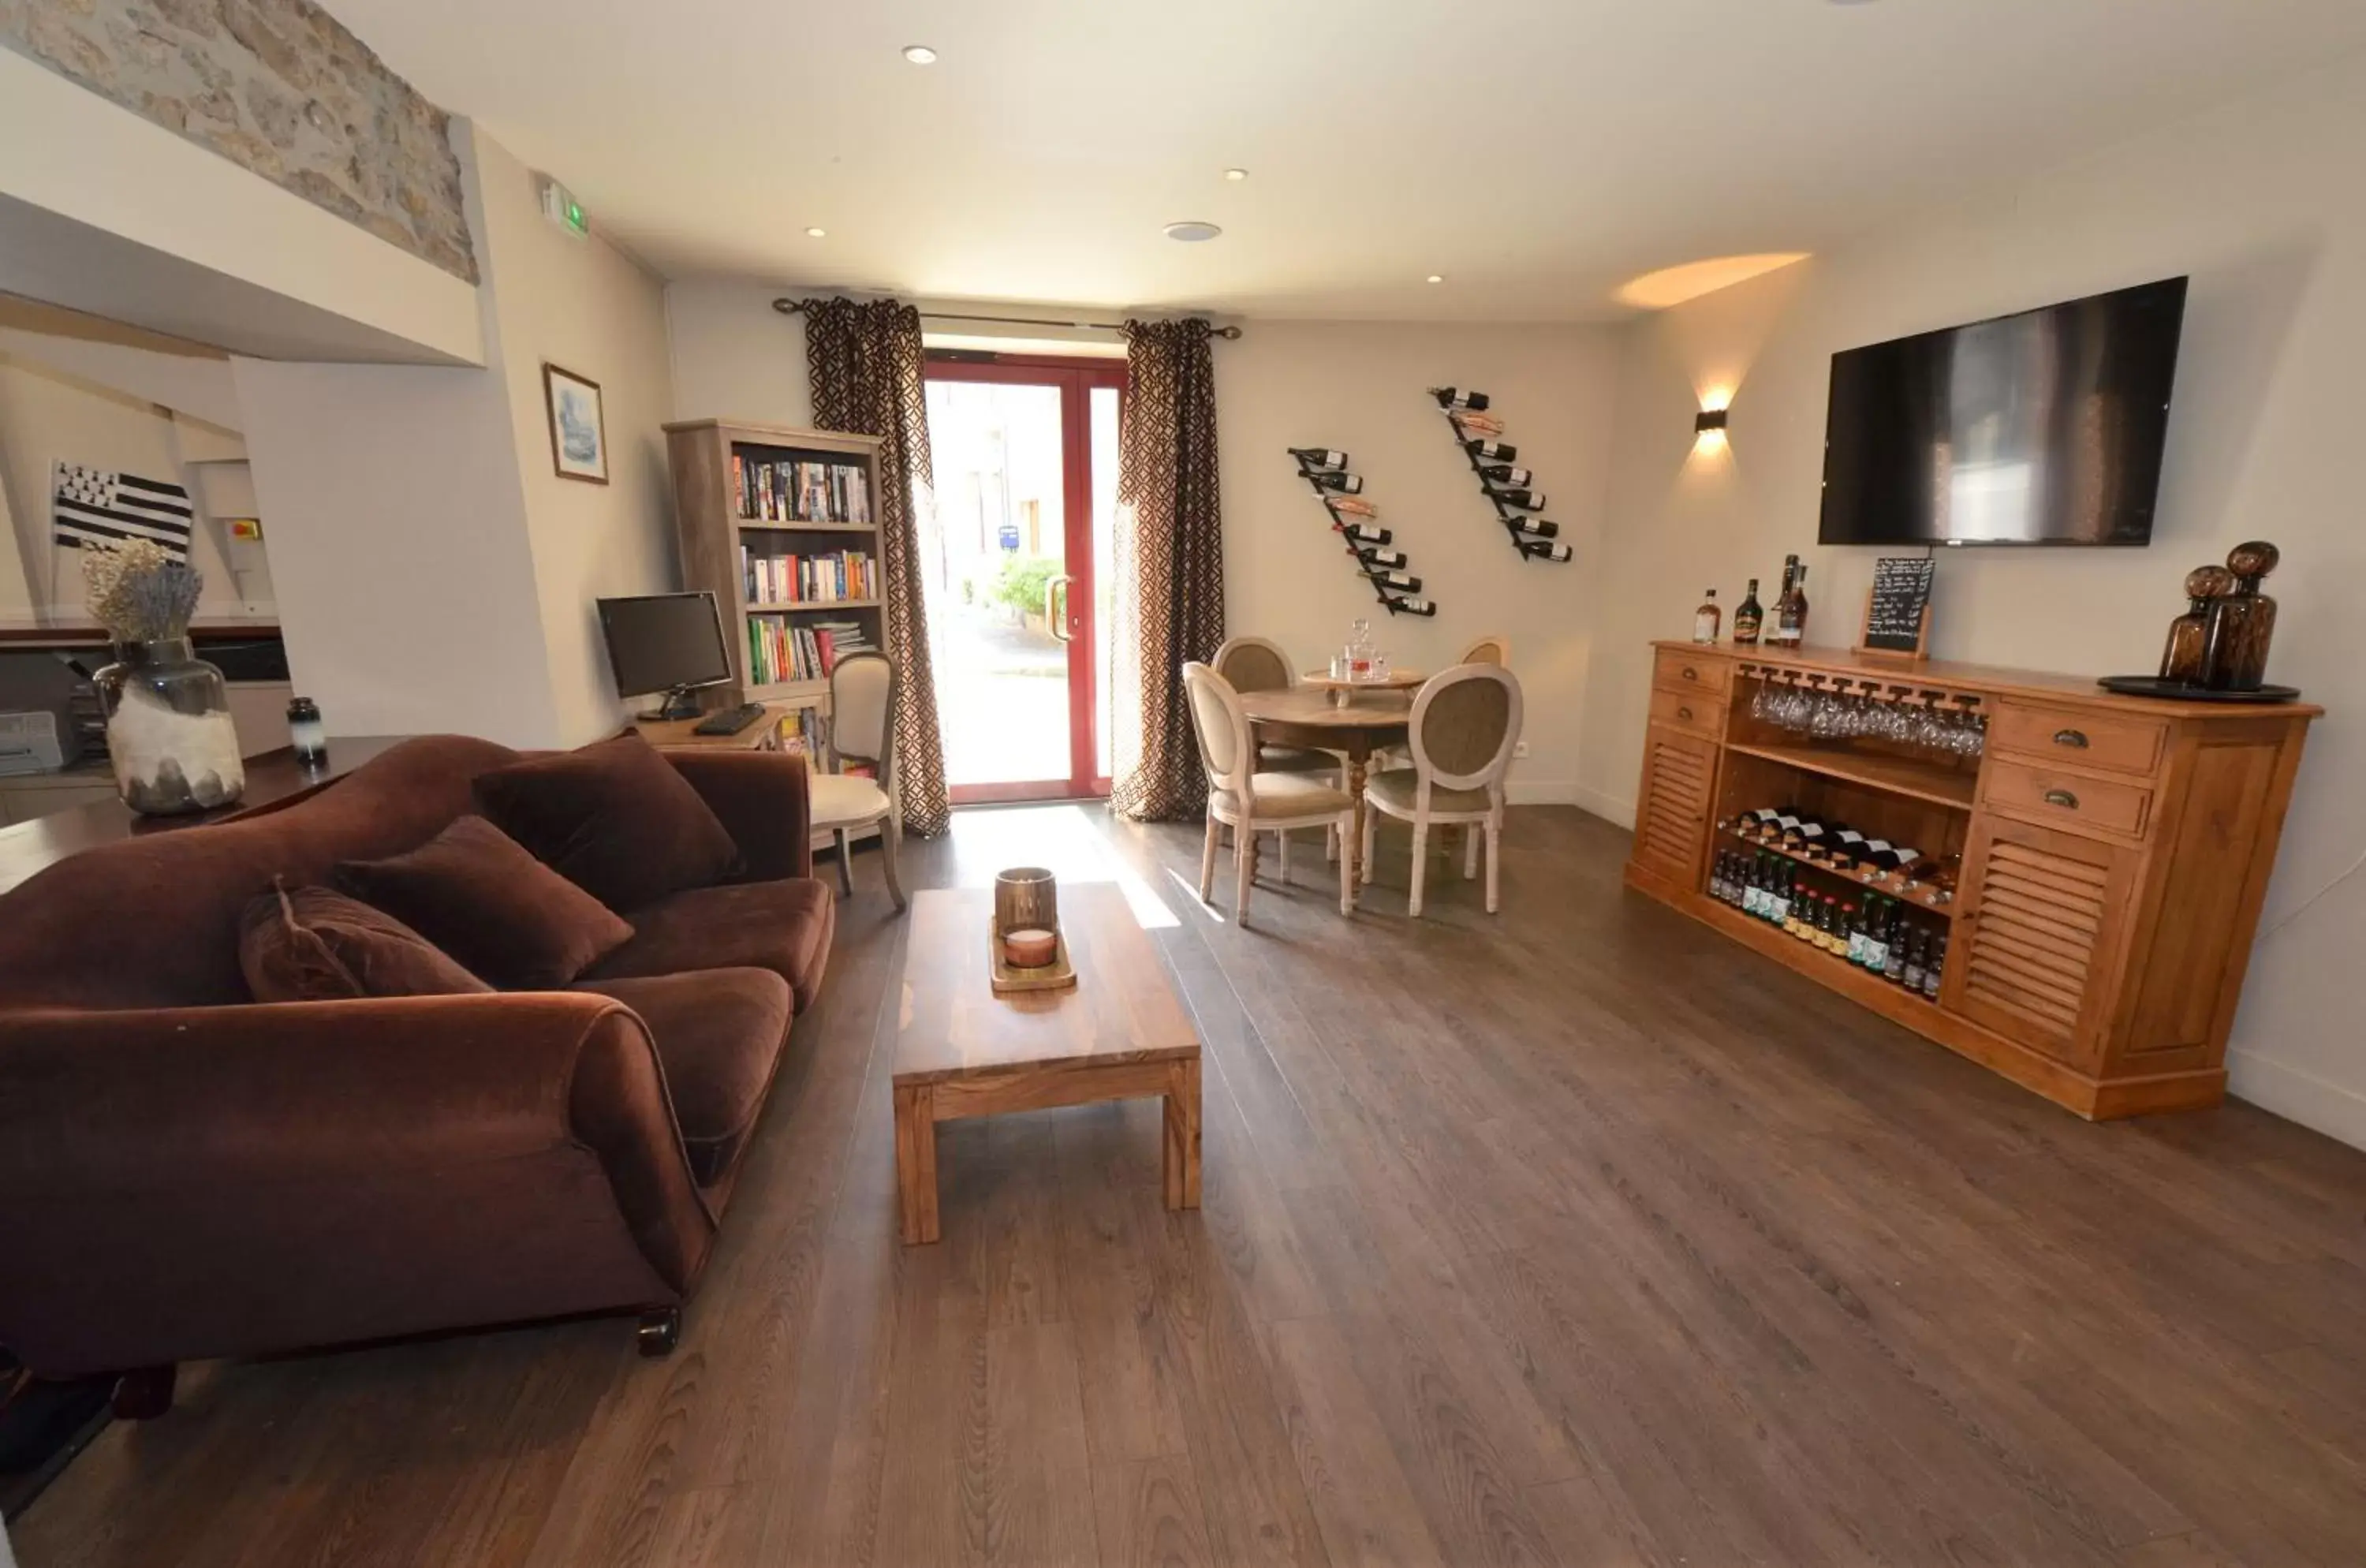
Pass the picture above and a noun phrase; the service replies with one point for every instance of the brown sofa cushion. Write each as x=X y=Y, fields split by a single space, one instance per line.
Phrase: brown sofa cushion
x=719 y=1036
x=317 y=945
x=615 y=818
x=476 y=894
x=782 y=925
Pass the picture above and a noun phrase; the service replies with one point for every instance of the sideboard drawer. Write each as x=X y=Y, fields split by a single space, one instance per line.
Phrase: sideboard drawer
x=2073 y=801
x=1683 y=673
x=1698 y=712
x=2123 y=743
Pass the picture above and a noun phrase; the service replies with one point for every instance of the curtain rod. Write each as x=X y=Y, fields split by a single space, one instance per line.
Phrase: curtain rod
x=793 y=307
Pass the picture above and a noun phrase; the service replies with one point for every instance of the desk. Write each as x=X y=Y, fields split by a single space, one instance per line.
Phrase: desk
x=1354 y=726
x=273 y=776
x=678 y=734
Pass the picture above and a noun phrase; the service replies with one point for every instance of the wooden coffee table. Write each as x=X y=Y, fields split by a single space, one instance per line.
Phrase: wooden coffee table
x=1119 y=1034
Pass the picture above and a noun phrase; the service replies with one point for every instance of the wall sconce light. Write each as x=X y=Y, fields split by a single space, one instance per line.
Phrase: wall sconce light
x=1710 y=421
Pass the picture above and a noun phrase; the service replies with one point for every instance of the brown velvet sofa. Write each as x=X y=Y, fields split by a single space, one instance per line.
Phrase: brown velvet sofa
x=187 y=1174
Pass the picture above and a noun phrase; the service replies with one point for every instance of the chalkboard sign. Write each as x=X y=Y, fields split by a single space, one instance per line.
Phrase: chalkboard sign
x=1898 y=611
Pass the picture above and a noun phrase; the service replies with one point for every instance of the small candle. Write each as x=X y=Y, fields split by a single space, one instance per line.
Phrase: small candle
x=1030 y=947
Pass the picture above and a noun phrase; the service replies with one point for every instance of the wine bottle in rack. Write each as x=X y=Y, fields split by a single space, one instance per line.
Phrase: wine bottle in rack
x=1543 y=551
x=1458 y=398
x=1364 y=534
x=1372 y=557
x=1353 y=505
x=1505 y=474
x=1413 y=606
x=1470 y=423
x=1525 y=499
x=1535 y=528
x=1332 y=478
x=1320 y=456
x=1403 y=582
x=1493 y=451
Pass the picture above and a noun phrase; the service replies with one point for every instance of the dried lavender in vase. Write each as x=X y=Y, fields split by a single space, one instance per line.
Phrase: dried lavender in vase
x=169 y=731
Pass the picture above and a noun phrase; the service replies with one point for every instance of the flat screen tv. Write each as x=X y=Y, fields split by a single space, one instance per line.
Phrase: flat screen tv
x=2043 y=428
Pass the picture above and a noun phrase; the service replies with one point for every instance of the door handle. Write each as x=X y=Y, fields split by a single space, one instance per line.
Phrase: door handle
x=2074 y=739
x=1056 y=607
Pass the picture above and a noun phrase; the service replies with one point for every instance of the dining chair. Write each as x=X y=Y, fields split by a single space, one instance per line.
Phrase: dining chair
x=862 y=692
x=1250 y=801
x=1464 y=727
x=1258 y=664
x=1493 y=649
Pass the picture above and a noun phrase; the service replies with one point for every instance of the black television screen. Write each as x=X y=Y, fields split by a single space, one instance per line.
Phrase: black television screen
x=2044 y=428
x=662 y=642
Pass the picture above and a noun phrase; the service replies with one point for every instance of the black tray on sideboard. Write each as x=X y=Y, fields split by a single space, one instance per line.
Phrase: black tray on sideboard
x=2178 y=691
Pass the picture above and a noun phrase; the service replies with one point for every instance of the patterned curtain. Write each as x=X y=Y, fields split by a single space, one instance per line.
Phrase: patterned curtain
x=864 y=361
x=1170 y=593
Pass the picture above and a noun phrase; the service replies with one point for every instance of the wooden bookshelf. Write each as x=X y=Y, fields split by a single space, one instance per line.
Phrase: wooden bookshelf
x=715 y=530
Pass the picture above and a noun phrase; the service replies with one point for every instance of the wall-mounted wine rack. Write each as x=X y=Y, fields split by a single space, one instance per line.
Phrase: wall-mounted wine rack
x=1356 y=522
x=1511 y=491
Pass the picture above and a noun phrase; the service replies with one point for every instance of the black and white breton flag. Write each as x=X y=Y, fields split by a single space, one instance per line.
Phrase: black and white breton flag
x=98 y=508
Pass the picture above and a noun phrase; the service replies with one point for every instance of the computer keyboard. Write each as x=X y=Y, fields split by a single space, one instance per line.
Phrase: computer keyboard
x=728 y=721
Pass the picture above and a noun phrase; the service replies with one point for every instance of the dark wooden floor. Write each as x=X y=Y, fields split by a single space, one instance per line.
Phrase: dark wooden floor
x=1573 y=1235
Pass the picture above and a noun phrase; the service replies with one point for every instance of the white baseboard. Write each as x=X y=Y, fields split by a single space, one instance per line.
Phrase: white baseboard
x=1541 y=792
x=1610 y=808
x=2296 y=1096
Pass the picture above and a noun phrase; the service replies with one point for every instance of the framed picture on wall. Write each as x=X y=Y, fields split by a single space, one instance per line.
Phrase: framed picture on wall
x=579 y=431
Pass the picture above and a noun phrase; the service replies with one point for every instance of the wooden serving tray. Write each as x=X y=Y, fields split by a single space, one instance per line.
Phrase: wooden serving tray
x=1006 y=980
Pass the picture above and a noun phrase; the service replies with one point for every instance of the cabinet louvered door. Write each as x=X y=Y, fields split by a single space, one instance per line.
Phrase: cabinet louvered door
x=1672 y=811
x=2036 y=940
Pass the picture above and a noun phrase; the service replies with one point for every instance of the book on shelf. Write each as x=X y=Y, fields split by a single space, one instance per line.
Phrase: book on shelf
x=822 y=579
x=788 y=490
x=779 y=651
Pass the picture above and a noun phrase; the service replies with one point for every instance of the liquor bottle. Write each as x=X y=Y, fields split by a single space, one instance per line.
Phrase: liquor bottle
x=1346 y=484
x=1706 y=619
x=1413 y=606
x=1491 y=451
x=1857 y=921
x=1747 y=616
x=1320 y=456
x=1791 y=615
x=1505 y=474
x=1716 y=885
x=1878 y=931
x=1372 y=557
x=1364 y=534
x=1893 y=965
x=1541 y=550
x=1456 y=398
x=1525 y=499
x=1793 y=902
x=1911 y=976
x=1835 y=927
x=1400 y=582
x=1535 y=528
x=1790 y=575
x=1934 y=967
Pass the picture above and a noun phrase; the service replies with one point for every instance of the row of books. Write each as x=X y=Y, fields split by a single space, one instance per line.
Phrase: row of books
x=778 y=650
x=784 y=490
x=802 y=579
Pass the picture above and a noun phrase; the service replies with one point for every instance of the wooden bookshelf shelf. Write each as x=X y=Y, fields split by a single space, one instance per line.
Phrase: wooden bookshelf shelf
x=758 y=526
x=801 y=606
x=1899 y=775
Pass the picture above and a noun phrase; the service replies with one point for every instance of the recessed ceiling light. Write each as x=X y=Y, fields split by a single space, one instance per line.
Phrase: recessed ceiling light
x=1192 y=231
x=1237 y=173
x=920 y=54
x=815 y=233
x=1437 y=277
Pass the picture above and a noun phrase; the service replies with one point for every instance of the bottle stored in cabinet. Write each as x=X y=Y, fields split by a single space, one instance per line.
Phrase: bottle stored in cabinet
x=1707 y=619
x=1747 y=617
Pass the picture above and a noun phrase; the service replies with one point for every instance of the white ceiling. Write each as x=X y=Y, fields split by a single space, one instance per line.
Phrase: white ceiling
x=1538 y=153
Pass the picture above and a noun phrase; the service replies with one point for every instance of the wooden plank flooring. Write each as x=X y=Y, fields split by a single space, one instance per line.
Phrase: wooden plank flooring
x=1576 y=1235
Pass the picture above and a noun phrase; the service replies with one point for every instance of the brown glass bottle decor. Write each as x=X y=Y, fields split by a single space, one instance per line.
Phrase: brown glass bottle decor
x=2242 y=623
x=2189 y=635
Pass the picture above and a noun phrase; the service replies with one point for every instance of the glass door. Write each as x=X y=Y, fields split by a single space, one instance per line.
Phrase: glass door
x=1025 y=456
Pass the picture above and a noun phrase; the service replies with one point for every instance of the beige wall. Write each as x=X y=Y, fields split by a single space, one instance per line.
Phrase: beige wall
x=1353 y=385
x=585 y=305
x=1360 y=386
x=2259 y=204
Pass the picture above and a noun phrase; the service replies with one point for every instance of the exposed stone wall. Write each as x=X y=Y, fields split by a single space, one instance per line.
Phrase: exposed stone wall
x=277 y=86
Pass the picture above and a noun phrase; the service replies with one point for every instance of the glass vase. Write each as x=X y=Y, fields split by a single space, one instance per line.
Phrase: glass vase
x=169 y=731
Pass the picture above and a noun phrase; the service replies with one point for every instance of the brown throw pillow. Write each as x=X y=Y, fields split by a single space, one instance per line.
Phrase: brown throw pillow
x=613 y=817
x=317 y=945
x=476 y=894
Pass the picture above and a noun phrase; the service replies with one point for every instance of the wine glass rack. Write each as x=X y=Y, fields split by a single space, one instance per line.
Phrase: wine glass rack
x=1356 y=521
x=1508 y=489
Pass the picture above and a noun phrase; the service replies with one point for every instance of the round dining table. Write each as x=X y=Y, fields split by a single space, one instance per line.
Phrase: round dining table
x=1316 y=720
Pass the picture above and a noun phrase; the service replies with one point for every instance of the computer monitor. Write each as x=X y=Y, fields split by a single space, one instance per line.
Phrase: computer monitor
x=665 y=642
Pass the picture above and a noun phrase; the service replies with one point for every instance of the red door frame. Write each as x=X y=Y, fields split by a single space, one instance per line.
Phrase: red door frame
x=1077 y=378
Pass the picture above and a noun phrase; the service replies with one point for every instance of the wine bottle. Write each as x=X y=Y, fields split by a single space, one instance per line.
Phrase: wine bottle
x=1400 y=582
x=1363 y=533
x=1535 y=528
x=1853 y=934
x=1893 y=964
x=1320 y=456
x=1372 y=557
x=1543 y=551
x=1934 y=967
x=1353 y=505
x=1413 y=606
x=1916 y=957
x=1525 y=499
x=1480 y=423
x=1505 y=474
x=1791 y=619
x=1332 y=478
x=1707 y=618
x=1457 y=398
x=1747 y=616
x=1493 y=451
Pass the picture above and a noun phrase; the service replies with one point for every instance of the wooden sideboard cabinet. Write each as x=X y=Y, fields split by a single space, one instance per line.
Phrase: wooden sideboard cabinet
x=2113 y=852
